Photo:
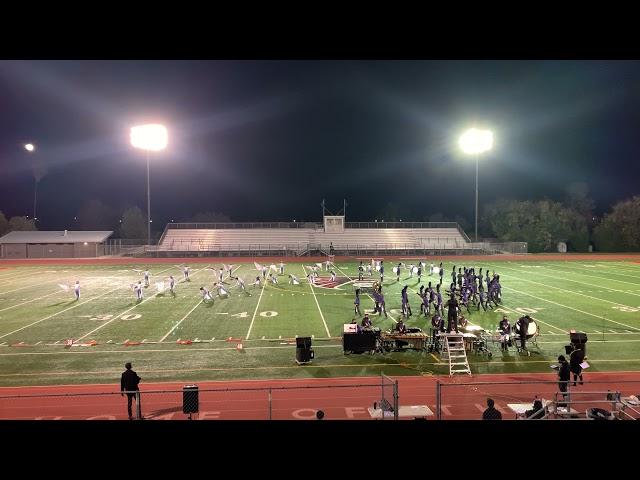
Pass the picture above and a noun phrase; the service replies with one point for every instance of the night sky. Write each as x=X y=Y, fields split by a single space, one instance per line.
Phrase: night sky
x=268 y=140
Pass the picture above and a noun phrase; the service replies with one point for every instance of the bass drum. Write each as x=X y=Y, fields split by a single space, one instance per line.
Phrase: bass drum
x=532 y=331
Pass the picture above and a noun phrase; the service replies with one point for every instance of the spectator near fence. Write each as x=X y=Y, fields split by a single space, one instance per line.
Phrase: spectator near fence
x=129 y=383
x=491 y=413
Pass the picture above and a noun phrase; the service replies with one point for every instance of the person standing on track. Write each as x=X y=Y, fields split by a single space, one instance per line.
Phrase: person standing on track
x=129 y=384
x=575 y=361
x=564 y=376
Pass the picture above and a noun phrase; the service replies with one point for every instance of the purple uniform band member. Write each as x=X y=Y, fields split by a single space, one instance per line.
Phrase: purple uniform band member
x=356 y=303
x=504 y=327
x=366 y=322
x=406 y=308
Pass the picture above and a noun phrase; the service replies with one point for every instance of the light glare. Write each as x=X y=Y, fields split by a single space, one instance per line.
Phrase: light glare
x=476 y=141
x=149 y=137
x=29 y=147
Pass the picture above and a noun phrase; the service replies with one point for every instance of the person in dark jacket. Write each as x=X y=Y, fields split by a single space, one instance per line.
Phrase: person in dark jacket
x=129 y=383
x=537 y=411
x=564 y=375
x=491 y=413
x=523 y=330
x=575 y=359
x=452 y=315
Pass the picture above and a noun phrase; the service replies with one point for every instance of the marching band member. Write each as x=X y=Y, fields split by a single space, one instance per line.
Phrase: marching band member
x=138 y=290
x=273 y=279
x=172 y=285
x=356 y=304
x=206 y=295
x=360 y=270
x=381 y=272
x=264 y=273
x=281 y=268
x=77 y=289
x=257 y=281
x=146 y=278
x=406 y=308
x=398 y=271
x=221 y=275
x=333 y=276
x=504 y=327
x=185 y=272
x=293 y=280
x=366 y=322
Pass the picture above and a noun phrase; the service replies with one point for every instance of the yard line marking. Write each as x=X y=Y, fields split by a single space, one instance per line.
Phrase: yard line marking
x=612 y=331
x=110 y=341
x=58 y=313
x=571 y=308
x=126 y=340
x=628 y=292
x=264 y=284
x=121 y=314
x=29 y=301
x=181 y=320
x=606 y=278
x=573 y=291
x=38 y=343
x=316 y=299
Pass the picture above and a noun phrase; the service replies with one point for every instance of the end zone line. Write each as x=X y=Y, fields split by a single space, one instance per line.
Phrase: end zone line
x=316 y=299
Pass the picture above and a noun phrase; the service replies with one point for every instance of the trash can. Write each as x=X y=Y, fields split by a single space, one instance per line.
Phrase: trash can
x=304 y=352
x=190 y=402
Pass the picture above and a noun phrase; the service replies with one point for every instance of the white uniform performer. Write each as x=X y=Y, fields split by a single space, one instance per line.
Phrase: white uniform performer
x=185 y=271
x=221 y=291
x=172 y=284
x=206 y=295
x=293 y=280
x=220 y=275
x=281 y=268
x=137 y=288
x=264 y=272
x=333 y=276
x=257 y=282
x=77 y=289
x=431 y=269
x=146 y=278
x=273 y=279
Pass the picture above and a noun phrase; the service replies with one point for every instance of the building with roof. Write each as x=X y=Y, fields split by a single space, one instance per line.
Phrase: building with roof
x=53 y=244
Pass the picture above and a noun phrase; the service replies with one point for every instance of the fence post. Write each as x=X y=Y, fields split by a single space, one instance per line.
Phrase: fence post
x=438 y=401
x=396 y=402
x=269 y=403
x=138 y=407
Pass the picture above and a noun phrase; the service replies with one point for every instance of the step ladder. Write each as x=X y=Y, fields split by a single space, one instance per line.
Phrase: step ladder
x=455 y=353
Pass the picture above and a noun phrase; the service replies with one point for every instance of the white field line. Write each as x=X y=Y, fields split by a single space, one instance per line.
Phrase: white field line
x=609 y=272
x=28 y=286
x=126 y=311
x=570 y=291
x=370 y=297
x=637 y=285
x=58 y=313
x=316 y=299
x=18 y=276
x=536 y=319
x=599 y=317
x=29 y=301
x=264 y=284
x=189 y=313
x=34 y=299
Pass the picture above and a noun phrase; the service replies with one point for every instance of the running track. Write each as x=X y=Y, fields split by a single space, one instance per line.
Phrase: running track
x=459 y=402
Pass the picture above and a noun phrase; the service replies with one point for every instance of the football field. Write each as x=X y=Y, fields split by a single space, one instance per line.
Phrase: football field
x=178 y=337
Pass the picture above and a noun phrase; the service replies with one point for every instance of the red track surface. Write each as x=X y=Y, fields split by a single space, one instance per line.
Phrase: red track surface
x=459 y=402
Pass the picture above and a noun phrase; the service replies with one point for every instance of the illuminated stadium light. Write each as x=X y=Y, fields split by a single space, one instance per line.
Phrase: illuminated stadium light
x=475 y=141
x=29 y=147
x=152 y=137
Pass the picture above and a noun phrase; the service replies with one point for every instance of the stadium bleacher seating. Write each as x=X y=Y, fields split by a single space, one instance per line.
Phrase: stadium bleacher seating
x=299 y=239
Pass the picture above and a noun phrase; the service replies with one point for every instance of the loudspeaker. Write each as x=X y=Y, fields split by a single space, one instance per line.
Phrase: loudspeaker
x=303 y=342
x=304 y=355
x=190 y=402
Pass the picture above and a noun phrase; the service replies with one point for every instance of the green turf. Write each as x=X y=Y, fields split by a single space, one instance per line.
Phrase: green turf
x=600 y=298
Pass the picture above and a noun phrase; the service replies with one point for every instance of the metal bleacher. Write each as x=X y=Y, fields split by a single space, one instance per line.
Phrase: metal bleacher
x=300 y=239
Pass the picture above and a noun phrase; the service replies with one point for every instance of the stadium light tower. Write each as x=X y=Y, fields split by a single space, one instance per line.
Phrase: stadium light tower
x=150 y=138
x=474 y=142
x=29 y=147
